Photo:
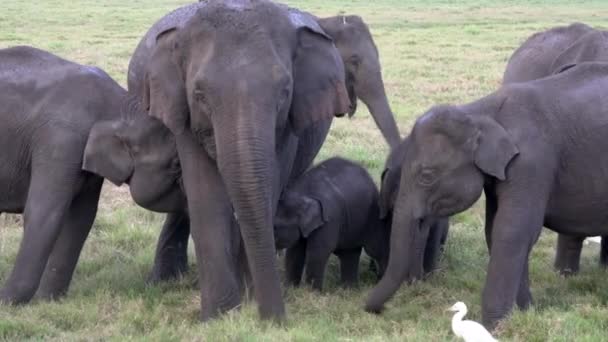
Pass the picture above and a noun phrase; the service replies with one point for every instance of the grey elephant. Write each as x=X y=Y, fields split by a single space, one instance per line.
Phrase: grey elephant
x=546 y=53
x=139 y=150
x=430 y=248
x=360 y=67
x=332 y=208
x=534 y=157
x=242 y=129
x=48 y=107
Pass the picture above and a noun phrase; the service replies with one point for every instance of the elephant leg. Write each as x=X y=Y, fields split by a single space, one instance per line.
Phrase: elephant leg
x=433 y=246
x=516 y=227
x=316 y=261
x=491 y=208
x=211 y=227
x=524 y=296
x=568 y=254
x=604 y=251
x=295 y=257
x=171 y=257
x=349 y=267
x=49 y=197
x=66 y=251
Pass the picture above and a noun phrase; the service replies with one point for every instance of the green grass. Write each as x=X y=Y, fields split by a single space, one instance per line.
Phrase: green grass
x=432 y=52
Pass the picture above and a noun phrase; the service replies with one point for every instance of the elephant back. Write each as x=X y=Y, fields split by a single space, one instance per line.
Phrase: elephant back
x=533 y=59
x=143 y=51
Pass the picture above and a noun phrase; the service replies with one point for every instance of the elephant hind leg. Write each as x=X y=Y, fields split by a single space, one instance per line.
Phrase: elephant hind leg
x=49 y=197
x=171 y=257
x=66 y=251
x=568 y=254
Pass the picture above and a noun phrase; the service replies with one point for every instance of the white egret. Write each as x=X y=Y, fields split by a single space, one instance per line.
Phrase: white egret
x=469 y=331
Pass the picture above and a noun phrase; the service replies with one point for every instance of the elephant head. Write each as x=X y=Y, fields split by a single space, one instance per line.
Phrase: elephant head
x=449 y=154
x=241 y=76
x=363 y=71
x=140 y=151
x=297 y=217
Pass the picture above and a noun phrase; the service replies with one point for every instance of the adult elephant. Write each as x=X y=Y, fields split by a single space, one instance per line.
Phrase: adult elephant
x=531 y=154
x=546 y=53
x=363 y=76
x=238 y=91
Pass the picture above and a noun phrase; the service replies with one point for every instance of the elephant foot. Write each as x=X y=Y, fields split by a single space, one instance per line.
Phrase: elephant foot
x=51 y=294
x=159 y=274
x=16 y=295
x=217 y=306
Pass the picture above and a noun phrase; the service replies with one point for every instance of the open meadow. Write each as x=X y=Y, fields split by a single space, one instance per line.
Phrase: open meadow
x=435 y=51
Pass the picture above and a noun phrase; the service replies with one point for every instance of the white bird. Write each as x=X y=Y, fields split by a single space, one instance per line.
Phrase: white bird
x=469 y=331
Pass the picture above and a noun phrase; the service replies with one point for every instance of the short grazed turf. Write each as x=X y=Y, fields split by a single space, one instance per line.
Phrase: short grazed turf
x=432 y=52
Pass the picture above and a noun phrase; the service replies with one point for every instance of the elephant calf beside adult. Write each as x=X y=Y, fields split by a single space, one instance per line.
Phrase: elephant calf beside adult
x=363 y=76
x=533 y=156
x=544 y=54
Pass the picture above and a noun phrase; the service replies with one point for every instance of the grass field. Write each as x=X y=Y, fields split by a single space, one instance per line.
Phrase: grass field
x=432 y=52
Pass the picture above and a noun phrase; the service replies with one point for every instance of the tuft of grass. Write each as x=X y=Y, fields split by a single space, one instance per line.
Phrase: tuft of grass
x=435 y=51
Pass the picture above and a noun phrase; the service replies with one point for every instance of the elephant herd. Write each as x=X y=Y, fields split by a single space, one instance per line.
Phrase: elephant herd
x=228 y=104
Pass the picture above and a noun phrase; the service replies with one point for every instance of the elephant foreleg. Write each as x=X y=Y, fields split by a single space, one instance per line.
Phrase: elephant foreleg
x=349 y=267
x=49 y=198
x=77 y=225
x=211 y=218
x=316 y=261
x=171 y=257
x=516 y=228
x=295 y=258
x=434 y=245
x=568 y=254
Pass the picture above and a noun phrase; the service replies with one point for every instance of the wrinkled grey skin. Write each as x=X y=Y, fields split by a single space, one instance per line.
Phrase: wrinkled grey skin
x=49 y=109
x=390 y=182
x=332 y=208
x=363 y=80
x=237 y=125
x=547 y=53
x=532 y=155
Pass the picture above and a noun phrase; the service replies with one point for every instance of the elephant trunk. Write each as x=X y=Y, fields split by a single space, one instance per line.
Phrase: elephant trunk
x=406 y=251
x=246 y=161
x=373 y=95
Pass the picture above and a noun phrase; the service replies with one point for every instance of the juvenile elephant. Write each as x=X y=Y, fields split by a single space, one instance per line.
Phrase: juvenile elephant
x=332 y=208
x=139 y=150
x=363 y=78
x=536 y=148
x=546 y=53
x=390 y=182
x=48 y=106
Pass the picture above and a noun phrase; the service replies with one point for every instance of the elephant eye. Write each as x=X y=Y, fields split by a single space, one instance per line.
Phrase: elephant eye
x=199 y=96
x=427 y=177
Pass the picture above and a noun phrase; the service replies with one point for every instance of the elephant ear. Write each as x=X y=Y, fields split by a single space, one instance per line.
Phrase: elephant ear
x=106 y=154
x=494 y=148
x=319 y=90
x=310 y=216
x=164 y=93
x=591 y=47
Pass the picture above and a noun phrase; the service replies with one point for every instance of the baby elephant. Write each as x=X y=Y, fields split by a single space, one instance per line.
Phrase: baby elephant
x=332 y=208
